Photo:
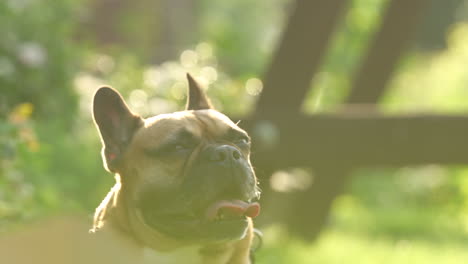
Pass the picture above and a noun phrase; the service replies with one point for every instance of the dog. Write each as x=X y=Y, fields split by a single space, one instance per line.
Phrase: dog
x=185 y=188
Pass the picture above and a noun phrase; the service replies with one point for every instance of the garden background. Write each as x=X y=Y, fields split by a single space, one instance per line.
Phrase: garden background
x=54 y=54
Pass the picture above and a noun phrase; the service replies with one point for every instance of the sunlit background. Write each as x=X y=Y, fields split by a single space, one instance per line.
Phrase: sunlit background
x=55 y=53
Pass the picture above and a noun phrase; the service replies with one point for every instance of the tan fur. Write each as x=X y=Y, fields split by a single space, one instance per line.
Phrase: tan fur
x=138 y=170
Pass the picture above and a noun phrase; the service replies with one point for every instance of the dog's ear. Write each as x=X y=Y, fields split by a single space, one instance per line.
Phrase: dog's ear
x=196 y=98
x=116 y=124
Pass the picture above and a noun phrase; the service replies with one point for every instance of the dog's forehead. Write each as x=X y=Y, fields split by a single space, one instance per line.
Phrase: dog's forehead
x=200 y=123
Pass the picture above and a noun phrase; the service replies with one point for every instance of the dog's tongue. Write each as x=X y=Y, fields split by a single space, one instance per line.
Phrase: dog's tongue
x=233 y=208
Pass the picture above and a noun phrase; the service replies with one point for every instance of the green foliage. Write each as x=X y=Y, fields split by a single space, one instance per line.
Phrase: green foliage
x=16 y=135
x=40 y=165
x=433 y=82
x=44 y=170
x=37 y=56
x=332 y=83
x=155 y=89
x=394 y=203
x=243 y=31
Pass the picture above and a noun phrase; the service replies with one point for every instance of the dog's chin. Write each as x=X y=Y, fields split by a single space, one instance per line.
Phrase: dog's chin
x=215 y=224
x=199 y=230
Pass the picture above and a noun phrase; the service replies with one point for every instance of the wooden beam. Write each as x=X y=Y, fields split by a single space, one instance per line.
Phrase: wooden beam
x=333 y=145
x=358 y=139
x=298 y=55
x=398 y=27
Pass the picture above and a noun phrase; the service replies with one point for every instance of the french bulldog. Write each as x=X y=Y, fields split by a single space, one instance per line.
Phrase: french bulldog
x=185 y=189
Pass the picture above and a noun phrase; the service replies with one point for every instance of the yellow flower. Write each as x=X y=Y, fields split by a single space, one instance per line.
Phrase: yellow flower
x=21 y=113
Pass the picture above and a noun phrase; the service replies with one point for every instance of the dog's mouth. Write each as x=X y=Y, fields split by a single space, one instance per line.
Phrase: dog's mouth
x=233 y=209
x=222 y=219
x=223 y=210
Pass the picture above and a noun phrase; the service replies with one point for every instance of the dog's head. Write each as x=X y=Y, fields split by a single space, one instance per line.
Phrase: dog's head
x=184 y=175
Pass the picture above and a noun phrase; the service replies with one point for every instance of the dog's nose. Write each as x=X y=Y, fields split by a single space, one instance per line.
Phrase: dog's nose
x=224 y=154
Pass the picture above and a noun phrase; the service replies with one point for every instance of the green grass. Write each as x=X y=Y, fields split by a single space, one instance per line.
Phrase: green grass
x=338 y=247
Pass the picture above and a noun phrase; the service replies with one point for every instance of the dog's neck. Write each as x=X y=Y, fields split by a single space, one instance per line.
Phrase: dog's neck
x=193 y=254
x=112 y=217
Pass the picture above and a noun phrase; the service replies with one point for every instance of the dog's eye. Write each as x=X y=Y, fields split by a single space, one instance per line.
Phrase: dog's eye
x=171 y=149
x=179 y=147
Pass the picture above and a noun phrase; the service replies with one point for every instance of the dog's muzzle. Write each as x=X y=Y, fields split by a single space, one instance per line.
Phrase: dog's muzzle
x=214 y=201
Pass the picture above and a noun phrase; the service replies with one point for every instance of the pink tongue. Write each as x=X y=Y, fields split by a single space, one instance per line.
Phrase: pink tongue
x=234 y=208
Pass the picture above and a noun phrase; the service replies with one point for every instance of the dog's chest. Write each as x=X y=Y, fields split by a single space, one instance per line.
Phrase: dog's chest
x=189 y=255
